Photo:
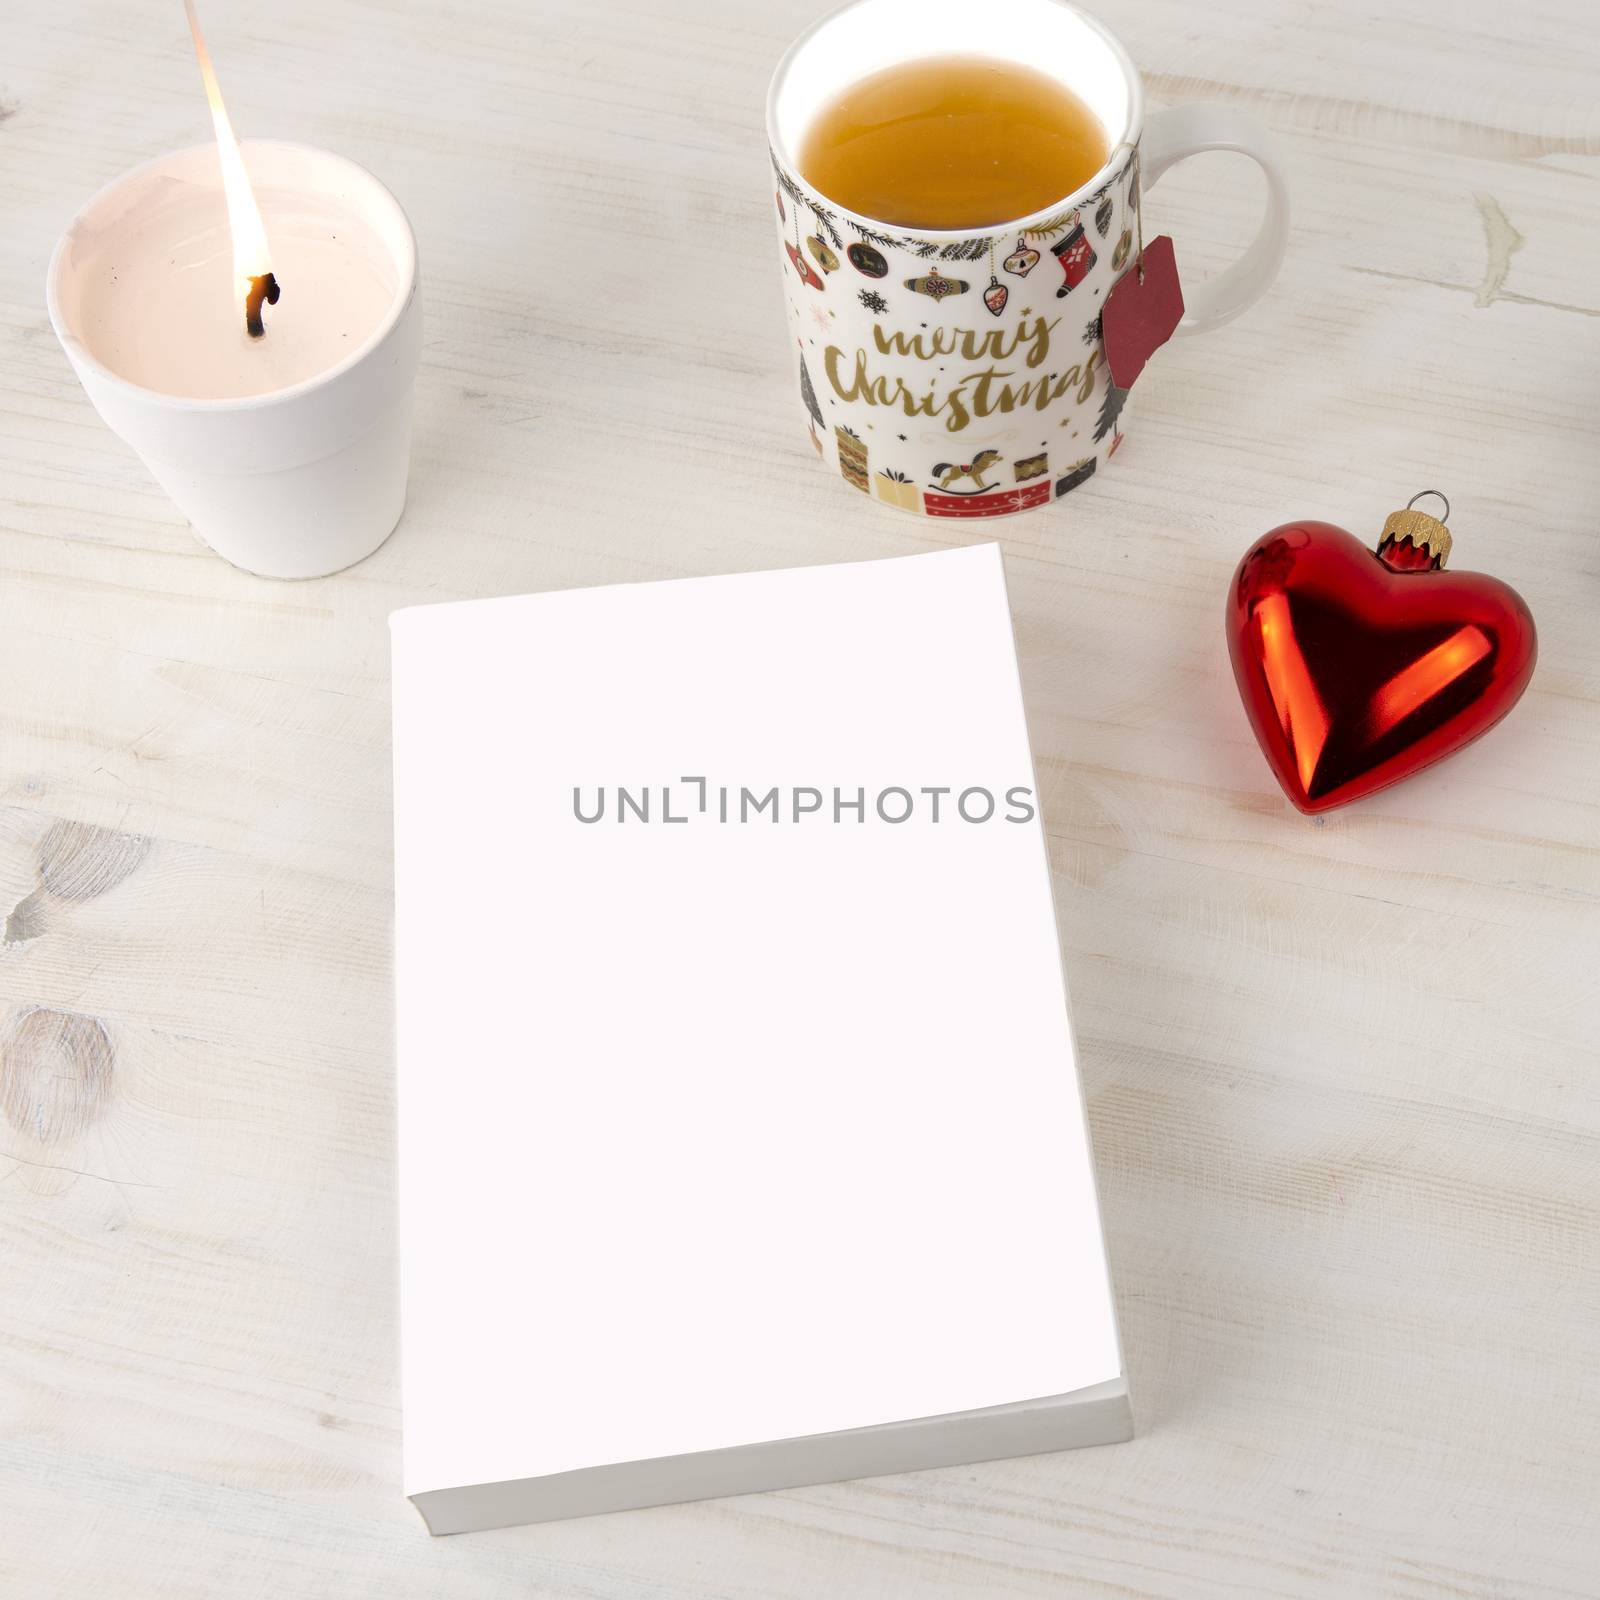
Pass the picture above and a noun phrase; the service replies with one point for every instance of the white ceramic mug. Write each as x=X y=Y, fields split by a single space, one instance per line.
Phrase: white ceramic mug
x=960 y=374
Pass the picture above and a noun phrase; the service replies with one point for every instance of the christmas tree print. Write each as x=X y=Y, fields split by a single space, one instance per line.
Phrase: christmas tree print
x=809 y=395
x=1110 y=409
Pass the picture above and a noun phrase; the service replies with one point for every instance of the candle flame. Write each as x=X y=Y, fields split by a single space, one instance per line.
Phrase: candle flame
x=252 y=261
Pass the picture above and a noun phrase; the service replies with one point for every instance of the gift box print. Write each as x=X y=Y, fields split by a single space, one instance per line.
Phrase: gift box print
x=1078 y=473
x=896 y=489
x=852 y=458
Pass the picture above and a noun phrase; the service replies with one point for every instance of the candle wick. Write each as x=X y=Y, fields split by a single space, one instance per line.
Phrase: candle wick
x=263 y=288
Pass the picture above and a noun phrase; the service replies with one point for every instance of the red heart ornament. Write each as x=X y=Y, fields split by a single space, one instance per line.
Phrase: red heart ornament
x=1358 y=668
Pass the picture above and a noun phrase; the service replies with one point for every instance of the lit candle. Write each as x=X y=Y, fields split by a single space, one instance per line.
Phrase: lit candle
x=252 y=258
x=246 y=317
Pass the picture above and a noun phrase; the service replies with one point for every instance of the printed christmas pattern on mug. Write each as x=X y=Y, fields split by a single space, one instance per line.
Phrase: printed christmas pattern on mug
x=903 y=365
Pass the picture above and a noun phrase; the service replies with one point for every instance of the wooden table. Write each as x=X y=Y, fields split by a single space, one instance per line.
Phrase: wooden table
x=1344 y=1077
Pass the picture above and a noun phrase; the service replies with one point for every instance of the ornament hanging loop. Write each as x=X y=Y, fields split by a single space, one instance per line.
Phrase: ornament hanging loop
x=1437 y=495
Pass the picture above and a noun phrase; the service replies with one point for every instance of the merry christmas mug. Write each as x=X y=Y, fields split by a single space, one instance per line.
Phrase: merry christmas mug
x=962 y=374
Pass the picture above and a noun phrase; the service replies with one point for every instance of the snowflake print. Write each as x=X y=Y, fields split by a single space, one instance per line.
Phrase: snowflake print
x=820 y=317
x=874 y=302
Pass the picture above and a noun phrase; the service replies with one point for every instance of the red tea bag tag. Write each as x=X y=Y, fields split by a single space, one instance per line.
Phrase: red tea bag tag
x=1141 y=312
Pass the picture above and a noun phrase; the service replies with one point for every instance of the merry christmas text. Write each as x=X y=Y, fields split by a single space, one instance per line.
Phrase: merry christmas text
x=980 y=393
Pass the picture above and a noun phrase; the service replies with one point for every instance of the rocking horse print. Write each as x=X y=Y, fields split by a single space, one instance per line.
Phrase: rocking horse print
x=948 y=472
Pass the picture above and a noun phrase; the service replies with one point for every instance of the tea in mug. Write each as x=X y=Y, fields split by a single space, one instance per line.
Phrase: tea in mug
x=952 y=142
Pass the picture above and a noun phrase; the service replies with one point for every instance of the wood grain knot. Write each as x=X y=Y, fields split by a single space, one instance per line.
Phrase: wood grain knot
x=26 y=919
x=78 y=861
x=55 y=1073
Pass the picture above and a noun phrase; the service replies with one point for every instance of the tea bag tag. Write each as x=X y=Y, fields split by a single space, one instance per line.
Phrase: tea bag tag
x=1141 y=312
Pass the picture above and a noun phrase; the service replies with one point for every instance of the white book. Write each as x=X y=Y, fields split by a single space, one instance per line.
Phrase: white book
x=741 y=1138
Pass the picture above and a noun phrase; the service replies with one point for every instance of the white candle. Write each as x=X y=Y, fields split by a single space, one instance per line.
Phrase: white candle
x=287 y=453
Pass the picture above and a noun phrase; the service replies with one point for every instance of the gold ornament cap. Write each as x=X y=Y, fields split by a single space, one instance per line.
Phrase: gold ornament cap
x=1418 y=528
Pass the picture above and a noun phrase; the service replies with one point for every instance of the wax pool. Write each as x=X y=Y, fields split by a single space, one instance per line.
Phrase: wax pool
x=158 y=304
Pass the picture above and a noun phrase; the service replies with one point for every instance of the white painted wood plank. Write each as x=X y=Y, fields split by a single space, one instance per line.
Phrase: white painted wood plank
x=1344 y=1077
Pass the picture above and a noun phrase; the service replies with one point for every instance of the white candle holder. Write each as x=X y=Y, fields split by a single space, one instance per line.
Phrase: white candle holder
x=301 y=480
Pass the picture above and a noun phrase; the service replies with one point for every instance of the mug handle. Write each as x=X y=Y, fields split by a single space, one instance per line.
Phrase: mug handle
x=1172 y=136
